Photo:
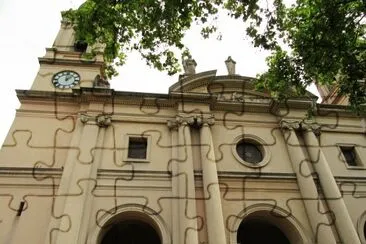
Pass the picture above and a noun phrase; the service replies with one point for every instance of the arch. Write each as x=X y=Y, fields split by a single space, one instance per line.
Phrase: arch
x=273 y=215
x=129 y=212
x=131 y=231
x=361 y=227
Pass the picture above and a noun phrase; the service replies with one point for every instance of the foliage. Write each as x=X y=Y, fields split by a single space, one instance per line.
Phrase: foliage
x=326 y=39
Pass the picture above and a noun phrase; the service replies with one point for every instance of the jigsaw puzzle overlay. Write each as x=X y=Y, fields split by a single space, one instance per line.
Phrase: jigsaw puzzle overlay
x=74 y=179
x=212 y=161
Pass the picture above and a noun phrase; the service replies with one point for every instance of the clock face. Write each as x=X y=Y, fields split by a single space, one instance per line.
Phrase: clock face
x=66 y=79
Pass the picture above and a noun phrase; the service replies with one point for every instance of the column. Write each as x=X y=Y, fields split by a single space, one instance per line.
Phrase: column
x=173 y=167
x=343 y=222
x=187 y=193
x=214 y=216
x=319 y=223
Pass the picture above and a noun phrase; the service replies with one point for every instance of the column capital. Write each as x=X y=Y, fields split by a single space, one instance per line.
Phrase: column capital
x=172 y=124
x=209 y=120
x=195 y=120
x=101 y=120
x=290 y=124
x=311 y=126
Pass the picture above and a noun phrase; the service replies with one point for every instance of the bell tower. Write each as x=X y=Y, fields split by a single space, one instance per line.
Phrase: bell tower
x=64 y=67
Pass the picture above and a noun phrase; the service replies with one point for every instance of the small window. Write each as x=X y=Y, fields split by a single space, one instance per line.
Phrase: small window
x=249 y=152
x=350 y=155
x=137 y=148
x=80 y=46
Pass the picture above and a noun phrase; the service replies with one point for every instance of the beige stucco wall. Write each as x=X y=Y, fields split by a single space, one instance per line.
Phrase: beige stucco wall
x=42 y=132
x=66 y=156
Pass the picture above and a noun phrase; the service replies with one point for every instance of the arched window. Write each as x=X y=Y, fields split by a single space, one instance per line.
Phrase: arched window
x=131 y=232
x=254 y=231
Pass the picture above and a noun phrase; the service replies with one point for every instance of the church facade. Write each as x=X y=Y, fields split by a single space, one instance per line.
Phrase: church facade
x=212 y=161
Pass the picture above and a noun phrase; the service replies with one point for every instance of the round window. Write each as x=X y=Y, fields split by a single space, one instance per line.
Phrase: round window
x=249 y=152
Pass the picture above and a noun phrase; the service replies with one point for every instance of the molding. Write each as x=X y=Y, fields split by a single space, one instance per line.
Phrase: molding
x=171 y=100
x=254 y=175
x=70 y=61
x=12 y=171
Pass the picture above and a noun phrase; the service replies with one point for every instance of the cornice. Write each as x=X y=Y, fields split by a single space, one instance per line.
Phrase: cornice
x=174 y=98
x=71 y=62
x=125 y=174
x=30 y=171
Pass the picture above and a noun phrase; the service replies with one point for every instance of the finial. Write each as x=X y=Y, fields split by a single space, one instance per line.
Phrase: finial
x=189 y=66
x=230 y=65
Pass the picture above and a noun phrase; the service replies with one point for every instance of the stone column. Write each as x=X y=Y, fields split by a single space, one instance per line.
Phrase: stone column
x=173 y=167
x=187 y=193
x=313 y=206
x=343 y=222
x=77 y=182
x=214 y=216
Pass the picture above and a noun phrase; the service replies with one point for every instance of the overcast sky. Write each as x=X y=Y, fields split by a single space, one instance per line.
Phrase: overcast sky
x=28 y=27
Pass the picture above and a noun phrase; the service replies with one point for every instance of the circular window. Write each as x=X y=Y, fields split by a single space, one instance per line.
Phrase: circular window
x=250 y=151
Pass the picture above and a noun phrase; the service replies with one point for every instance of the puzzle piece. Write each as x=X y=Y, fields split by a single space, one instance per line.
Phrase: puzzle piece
x=212 y=161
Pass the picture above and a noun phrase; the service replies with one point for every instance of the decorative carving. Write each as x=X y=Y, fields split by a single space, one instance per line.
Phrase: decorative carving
x=240 y=97
x=290 y=124
x=172 y=124
x=230 y=65
x=210 y=120
x=84 y=118
x=100 y=120
x=237 y=98
x=189 y=66
x=66 y=23
x=311 y=125
x=100 y=82
x=195 y=121
x=103 y=120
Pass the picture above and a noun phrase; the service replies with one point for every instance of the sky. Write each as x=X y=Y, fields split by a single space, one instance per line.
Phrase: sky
x=28 y=27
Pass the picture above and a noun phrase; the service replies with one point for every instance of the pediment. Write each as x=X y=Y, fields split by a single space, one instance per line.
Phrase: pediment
x=229 y=88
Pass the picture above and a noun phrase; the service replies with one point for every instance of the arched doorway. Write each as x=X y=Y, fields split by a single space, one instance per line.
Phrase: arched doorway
x=131 y=232
x=253 y=231
x=267 y=220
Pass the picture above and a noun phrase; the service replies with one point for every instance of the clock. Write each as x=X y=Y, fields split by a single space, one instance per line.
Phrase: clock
x=66 y=79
